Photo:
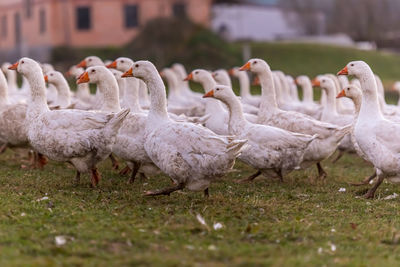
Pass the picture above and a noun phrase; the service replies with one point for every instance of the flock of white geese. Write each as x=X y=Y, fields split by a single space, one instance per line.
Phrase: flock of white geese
x=193 y=138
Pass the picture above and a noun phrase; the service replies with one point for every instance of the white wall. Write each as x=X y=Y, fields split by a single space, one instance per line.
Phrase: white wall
x=260 y=23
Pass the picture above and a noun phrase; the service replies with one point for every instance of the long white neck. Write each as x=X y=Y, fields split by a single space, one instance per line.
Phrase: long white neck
x=12 y=79
x=236 y=118
x=63 y=94
x=244 y=83
x=285 y=88
x=83 y=91
x=277 y=89
x=357 y=105
x=143 y=92
x=158 y=98
x=173 y=85
x=370 y=108
x=38 y=103
x=3 y=90
x=108 y=88
x=131 y=96
x=307 y=91
x=330 y=99
x=268 y=98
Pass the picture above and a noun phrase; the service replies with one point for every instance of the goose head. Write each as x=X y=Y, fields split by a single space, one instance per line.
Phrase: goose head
x=54 y=77
x=94 y=75
x=256 y=65
x=46 y=67
x=220 y=92
x=142 y=69
x=90 y=62
x=26 y=67
x=4 y=66
x=221 y=76
x=74 y=71
x=356 y=68
x=323 y=82
x=302 y=80
x=122 y=64
x=199 y=75
x=351 y=91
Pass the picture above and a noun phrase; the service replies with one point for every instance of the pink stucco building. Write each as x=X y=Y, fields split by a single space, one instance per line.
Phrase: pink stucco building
x=33 y=27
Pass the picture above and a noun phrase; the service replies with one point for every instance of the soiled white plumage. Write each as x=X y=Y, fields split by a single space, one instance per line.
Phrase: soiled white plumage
x=219 y=116
x=329 y=135
x=194 y=163
x=13 y=131
x=375 y=134
x=269 y=149
x=81 y=137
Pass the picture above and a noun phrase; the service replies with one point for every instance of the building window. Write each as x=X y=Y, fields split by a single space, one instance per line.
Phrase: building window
x=17 y=22
x=4 y=26
x=42 y=21
x=28 y=8
x=179 y=10
x=131 y=16
x=83 y=18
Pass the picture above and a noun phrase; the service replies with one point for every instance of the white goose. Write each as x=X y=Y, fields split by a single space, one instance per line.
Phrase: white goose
x=195 y=163
x=82 y=90
x=329 y=135
x=375 y=134
x=130 y=138
x=355 y=94
x=270 y=150
x=56 y=133
x=181 y=73
x=219 y=117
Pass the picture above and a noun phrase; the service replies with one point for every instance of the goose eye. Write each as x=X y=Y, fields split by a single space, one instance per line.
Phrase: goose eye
x=93 y=71
x=51 y=74
x=22 y=62
x=137 y=65
x=196 y=72
x=255 y=62
x=352 y=65
x=89 y=59
x=217 y=89
x=122 y=61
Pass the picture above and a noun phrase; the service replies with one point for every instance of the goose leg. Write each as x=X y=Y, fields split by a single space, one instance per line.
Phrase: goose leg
x=3 y=148
x=206 y=193
x=95 y=177
x=321 y=172
x=365 y=181
x=114 y=161
x=143 y=176
x=371 y=192
x=280 y=175
x=77 y=179
x=136 y=167
x=125 y=170
x=166 y=191
x=341 y=153
x=41 y=161
x=249 y=178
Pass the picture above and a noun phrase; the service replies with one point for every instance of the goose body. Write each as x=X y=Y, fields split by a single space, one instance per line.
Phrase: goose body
x=195 y=163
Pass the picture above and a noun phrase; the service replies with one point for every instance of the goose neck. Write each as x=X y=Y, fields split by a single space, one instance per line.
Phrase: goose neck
x=307 y=92
x=236 y=117
x=244 y=83
x=268 y=102
x=370 y=108
x=131 y=96
x=3 y=89
x=110 y=91
x=158 y=99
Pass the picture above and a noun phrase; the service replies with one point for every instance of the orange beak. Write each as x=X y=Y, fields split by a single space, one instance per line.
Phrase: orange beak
x=84 y=78
x=68 y=74
x=189 y=77
x=112 y=65
x=295 y=82
x=209 y=94
x=344 y=71
x=230 y=72
x=128 y=73
x=46 y=78
x=341 y=94
x=14 y=66
x=245 y=67
x=256 y=81
x=315 y=82
x=82 y=64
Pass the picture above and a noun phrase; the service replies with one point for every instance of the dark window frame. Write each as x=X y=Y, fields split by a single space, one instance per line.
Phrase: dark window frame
x=179 y=10
x=4 y=27
x=83 y=24
x=28 y=8
x=131 y=16
x=42 y=21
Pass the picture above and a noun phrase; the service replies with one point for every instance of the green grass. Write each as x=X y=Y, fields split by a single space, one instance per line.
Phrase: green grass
x=264 y=223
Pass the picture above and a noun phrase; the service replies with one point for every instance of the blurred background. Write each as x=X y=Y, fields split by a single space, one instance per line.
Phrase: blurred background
x=296 y=36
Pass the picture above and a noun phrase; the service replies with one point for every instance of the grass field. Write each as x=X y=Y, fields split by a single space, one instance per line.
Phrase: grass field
x=302 y=222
